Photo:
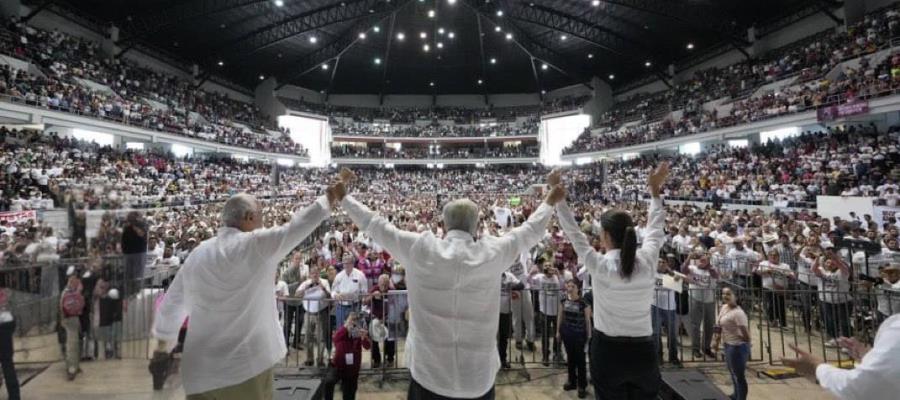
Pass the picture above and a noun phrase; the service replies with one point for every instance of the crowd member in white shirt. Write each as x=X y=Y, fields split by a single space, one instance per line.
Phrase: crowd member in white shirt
x=508 y=284
x=807 y=282
x=522 y=306
x=873 y=377
x=349 y=286
x=315 y=291
x=623 y=281
x=550 y=285
x=743 y=261
x=664 y=312
x=702 y=280
x=775 y=279
x=888 y=290
x=454 y=287
x=834 y=294
x=281 y=291
x=226 y=287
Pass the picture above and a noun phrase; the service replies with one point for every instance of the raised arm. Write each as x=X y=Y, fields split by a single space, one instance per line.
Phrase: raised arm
x=656 y=217
x=171 y=313
x=398 y=242
x=276 y=243
x=586 y=253
x=523 y=238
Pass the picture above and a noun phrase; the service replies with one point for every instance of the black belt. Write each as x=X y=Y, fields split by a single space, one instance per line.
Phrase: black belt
x=623 y=339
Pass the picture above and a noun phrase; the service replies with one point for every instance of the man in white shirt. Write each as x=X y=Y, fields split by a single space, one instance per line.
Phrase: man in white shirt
x=226 y=288
x=314 y=291
x=875 y=375
x=550 y=284
x=349 y=286
x=454 y=293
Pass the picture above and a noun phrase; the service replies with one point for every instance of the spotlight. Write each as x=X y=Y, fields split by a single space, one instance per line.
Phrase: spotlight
x=493 y=60
x=423 y=35
x=690 y=46
x=543 y=92
x=362 y=35
x=377 y=61
x=440 y=45
x=595 y=3
x=401 y=36
x=480 y=81
x=431 y=84
x=451 y=35
x=431 y=13
x=647 y=64
x=591 y=55
x=611 y=77
x=544 y=67
x=221 y=63
x=313 y=39
x=499 y=13
x=509 y=36
x=563 y=37
x=376 y=29
x=325 y=66
x=451 y=2
x=440 y=31
x=497 y=29
x=279 y=3
x=426 y=47
x=262 y=77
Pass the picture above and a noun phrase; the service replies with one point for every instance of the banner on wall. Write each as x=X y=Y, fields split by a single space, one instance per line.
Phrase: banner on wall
x=17 y=216
x=841 y=206
x=883 y=213
x=831 y=113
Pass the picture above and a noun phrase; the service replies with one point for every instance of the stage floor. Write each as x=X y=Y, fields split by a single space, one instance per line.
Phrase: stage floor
x=129 y=380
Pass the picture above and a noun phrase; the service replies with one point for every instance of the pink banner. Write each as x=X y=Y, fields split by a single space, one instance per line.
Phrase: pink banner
x=16 y=216
x=831 y=113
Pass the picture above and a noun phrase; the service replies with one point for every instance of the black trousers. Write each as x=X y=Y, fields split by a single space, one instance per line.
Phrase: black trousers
x=575 y=360
x=775 y=307
x=547 y=334
x=390 y=350
x=349 y=383
x=293 y=317
x=10 y=379
x=808 y=300
x=503 y=332
x=624 y=367
x=417 y=392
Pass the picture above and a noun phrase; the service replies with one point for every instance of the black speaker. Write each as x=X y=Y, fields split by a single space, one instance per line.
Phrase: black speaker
x=276 y=175
x=689 y=384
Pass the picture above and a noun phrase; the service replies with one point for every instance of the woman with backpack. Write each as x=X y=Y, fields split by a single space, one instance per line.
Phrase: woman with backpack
x=71 y=305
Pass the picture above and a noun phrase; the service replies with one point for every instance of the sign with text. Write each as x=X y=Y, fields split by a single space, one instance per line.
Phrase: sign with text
x=16 y=216
x=830 y=113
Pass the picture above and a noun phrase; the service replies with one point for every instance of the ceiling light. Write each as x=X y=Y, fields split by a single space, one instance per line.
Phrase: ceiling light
x=499 y=13
x=262 y=77
x=544 y=67
x=401 y=36
x=591 y=55
x=451 y=35
x=690 y=46
x=493 y=61
x=324 y=66
x=376 y=29
x=647 y=64
x=509 y=36
x=563 y=37
x=431 y=13
x=431 y=84
x=497 y=29
x=313 y=39
x=426 y=47
x=423 y=35
x=595 y=3
x=480 y=81
x=279 y=3
x=543 y=92
x=440 y=45
x=362 y=35
x=221 y=63
x=440 y=31
x=451 y=2
x=377 y=61
x=611 y=77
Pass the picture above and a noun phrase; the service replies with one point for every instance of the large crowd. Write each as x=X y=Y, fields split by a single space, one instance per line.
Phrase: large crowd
x=527 y=128
x=436 y=151
x=75 y=77
x=808 y=60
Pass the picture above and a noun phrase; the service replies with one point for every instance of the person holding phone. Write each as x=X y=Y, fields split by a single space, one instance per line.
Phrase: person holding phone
x=348 y=341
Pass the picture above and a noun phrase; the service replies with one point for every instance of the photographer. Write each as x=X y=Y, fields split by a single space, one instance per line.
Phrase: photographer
x=349 y=341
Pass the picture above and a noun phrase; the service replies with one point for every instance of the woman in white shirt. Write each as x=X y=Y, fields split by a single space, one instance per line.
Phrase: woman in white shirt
x=834 y=288
x=732 y=327
x=775 y=277
x=623 y=279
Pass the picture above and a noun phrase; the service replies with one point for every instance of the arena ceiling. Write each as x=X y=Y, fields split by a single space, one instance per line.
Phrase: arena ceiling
x=437 y=46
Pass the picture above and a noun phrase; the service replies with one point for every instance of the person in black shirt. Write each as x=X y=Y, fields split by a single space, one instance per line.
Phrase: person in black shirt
x=134 y=247
x=574 y=327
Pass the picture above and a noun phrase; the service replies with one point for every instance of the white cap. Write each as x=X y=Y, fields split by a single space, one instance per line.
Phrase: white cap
x=70 y=271
x=113 y=294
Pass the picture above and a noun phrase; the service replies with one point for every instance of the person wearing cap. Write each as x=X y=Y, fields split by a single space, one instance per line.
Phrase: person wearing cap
x=225 y=286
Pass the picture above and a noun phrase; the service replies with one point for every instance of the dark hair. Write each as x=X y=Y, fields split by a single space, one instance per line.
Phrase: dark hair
x=620 y=227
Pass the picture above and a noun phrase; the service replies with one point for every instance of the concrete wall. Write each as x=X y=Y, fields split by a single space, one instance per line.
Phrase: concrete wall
x=266 y=100
x=462 y=100
x=297 y=92
x=514 y=99
x=573 y=90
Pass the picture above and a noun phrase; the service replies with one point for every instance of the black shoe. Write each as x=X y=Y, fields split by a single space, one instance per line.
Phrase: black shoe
x=710 y=354
x=545 y=362
x=697 y=354
x=582 y=393
x=676 y=363
x=308 y=363
x=376 y=365
x=530 y=346
x=569 y=386
x=506 y=365
x=518 y=345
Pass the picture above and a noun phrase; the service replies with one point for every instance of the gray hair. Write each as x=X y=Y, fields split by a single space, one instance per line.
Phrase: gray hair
x=236 y=208
x=461 y=215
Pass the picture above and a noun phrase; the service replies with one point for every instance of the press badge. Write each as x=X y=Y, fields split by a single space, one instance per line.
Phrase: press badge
x=348 y=358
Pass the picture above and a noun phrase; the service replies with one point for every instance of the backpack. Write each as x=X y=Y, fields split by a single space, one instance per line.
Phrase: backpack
x=72 y=303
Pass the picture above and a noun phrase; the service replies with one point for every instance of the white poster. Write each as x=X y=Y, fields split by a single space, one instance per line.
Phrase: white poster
x=841 y=206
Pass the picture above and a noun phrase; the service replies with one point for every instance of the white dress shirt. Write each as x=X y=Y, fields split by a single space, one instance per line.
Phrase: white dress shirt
x=873 y=378
x=454 y=297
x=621 y=307
x=350 y=286
x=226 y=287
x=313 y=295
